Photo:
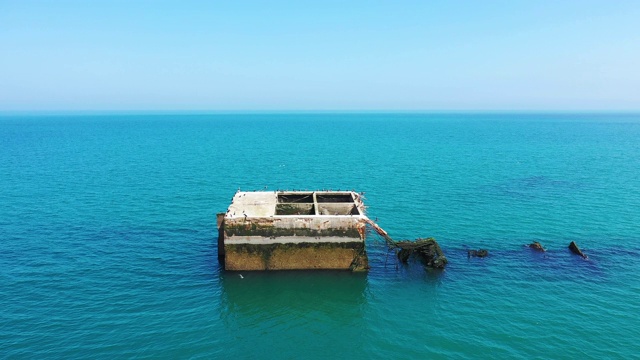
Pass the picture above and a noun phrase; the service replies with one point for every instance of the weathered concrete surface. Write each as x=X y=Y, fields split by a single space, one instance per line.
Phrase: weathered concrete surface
x=220 y=224
x=296 y=256
x=294 y=230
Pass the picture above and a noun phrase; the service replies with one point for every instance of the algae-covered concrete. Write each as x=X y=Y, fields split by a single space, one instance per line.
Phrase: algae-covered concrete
x=293 y=230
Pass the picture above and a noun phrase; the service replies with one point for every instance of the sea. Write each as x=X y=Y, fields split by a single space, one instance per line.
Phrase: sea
x=108 y=236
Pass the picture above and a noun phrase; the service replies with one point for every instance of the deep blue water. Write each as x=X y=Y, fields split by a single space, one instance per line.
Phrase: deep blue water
x=108 y=238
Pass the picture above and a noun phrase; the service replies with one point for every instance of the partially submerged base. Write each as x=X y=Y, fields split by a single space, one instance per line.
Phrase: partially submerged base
x=294 y=230
x=336 y=256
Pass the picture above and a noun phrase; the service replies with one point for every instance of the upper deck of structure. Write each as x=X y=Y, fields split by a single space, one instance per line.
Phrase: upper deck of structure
x=261 y=204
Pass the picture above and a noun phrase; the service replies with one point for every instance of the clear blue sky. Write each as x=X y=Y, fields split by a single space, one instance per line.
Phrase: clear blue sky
x=323 y=55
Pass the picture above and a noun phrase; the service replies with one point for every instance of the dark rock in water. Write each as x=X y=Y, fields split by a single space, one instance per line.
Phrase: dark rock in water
x=403 y=255
x=576 y=250
x=478 y=253
x=427 y=250
x=536 y=246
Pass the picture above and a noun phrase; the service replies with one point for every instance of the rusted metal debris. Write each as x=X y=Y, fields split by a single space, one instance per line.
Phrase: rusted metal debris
x=427 y=250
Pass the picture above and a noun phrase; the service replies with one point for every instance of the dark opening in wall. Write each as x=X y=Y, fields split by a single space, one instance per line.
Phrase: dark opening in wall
x=305 y=198
x=334 y=198
x=295 y=209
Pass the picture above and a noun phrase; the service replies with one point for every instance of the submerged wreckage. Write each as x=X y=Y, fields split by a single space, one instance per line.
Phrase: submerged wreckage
x=287 y=230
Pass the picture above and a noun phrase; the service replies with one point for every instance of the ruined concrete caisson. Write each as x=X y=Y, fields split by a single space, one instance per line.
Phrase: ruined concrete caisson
x=293 y=230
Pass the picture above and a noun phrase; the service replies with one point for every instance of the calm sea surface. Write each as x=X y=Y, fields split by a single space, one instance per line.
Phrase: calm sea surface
x=108 y=238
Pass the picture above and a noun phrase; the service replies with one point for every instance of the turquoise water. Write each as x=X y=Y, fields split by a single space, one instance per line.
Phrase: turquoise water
x=108 y=236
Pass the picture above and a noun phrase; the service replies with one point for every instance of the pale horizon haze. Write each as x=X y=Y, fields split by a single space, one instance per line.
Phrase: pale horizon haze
x=319 y=56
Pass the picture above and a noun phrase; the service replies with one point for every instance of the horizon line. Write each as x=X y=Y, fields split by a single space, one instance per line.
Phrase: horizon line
x=310 y=112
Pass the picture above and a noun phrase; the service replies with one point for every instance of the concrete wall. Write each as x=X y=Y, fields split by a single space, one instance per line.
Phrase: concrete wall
x=300 y=256
x=262 y=232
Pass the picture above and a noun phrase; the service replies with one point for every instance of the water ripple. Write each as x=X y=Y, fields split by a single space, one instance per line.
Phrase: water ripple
x=109 y=242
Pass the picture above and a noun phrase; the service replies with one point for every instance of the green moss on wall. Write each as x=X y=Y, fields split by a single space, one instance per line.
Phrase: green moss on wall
x=270 y=231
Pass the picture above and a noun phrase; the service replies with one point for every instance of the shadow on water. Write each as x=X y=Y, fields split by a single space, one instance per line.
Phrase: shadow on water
x=385 y=266
x=284 y=311
x=293 y=293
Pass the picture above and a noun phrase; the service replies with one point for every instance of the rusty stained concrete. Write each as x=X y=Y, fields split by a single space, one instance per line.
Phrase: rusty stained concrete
x=293 y=230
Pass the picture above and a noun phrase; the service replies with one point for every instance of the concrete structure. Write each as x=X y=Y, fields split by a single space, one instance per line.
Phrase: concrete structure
x=293 y=230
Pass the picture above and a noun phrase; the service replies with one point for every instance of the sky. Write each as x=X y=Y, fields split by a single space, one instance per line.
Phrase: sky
x=453 y=55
